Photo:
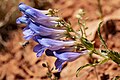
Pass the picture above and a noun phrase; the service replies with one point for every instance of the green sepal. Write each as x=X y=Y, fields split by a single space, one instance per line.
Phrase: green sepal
x=89 y=45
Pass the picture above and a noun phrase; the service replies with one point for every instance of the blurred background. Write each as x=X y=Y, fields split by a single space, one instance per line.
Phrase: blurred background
x=20 y=63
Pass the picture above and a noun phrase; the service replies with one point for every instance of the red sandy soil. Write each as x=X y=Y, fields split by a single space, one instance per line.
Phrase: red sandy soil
x=19 y=63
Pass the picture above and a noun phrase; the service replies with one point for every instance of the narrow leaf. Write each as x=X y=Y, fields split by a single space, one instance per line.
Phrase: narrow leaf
x=100 y=36
x=80 y=68
x=113 y=57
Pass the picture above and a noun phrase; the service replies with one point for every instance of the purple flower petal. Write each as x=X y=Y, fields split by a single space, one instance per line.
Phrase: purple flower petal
x=33 y=29
x=28 y=34
x=41 y=18
x=55 y=44
x=66 y=56
x=39 y=49
x=22 y=19
x=35 y=14
x=36 y=37
x=23 y=7
x=58 y=64
x=69 y=56
x=44 y=31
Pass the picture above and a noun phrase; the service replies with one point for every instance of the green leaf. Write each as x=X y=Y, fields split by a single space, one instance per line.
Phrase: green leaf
x=89 y=45
x=114 y=56
x=116 y=53
x=100 y=36
x=80 y=68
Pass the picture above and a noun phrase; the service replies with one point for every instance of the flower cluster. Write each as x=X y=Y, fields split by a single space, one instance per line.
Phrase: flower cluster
x=41 y=28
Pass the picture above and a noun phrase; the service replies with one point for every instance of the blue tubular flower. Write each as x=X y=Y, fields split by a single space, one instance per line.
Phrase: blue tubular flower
x=44 y=31
x=37 y=23
x=38 y=15
x=23 y=8
x=41 y=18
x=69 y=56
x=22 y=19
x=49 y=39
x=36 y=29
x=55 y=44
x=45 y=43
x=66 y=56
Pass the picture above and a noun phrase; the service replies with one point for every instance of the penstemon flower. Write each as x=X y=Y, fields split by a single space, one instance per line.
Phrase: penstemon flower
x=34 y=29
x=55 y=44
x=38 y=16
x=46 y=43
x=37 y=23
x=41 y=18
x=50 y=40
x=23 y=7
x=64 y=55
